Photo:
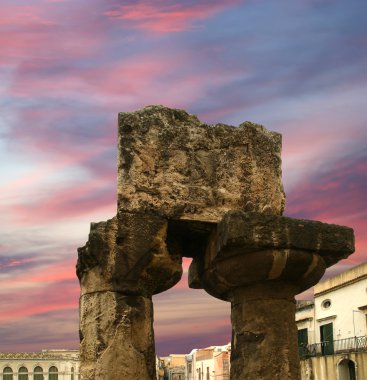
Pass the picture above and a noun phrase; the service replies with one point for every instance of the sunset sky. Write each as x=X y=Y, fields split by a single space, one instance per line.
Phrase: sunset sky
x=67 y=67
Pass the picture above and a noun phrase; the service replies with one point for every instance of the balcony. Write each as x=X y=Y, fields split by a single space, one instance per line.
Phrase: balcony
x=341 y=346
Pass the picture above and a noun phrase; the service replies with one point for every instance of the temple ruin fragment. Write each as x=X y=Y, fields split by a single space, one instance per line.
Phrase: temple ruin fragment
x=215 y=194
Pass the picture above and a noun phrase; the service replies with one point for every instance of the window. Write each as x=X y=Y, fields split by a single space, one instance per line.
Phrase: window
x=23 y=373
x=38 y=373
x=327 y=339
x=72 y=374
x=8 y=373
x=302 y=342
x=326 y=304
x=207 y=373
x=53 y=373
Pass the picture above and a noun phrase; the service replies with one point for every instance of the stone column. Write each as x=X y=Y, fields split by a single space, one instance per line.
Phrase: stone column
x=117 y=338
x=124 y=263
x=263 y=331
x=259 y=263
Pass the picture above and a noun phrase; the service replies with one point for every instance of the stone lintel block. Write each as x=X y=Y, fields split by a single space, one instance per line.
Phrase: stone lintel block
x=117 y=338
x=128 y=254
x=171 y=163
x=241 y=232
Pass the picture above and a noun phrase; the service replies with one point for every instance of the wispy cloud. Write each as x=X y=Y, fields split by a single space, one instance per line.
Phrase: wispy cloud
x=334 y=193
x=167 y=16
x=45 y=288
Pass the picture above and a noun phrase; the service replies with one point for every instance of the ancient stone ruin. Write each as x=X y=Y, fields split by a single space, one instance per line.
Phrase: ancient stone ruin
x=213 y=193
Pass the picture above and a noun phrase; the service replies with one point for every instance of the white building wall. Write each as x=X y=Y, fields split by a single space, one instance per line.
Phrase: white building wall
x=191 y=361
x=203 y=366
x=305 y=319
x=345 y=312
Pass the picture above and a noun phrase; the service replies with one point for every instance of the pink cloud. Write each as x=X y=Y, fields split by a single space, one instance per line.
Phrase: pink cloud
x=167 y=17
x=18 y=16
x=335 y=194
x=43 y=275
x=15 y=263
x=31 y=31
x=41 y=290
x=73 y=201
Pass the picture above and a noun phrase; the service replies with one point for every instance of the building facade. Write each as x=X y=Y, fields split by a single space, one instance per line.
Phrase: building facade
x=208 y=363
x=332 y=330
x=44 y=365
x=173 y=367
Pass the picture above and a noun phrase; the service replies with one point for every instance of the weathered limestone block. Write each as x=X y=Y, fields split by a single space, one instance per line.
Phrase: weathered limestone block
x=128 y=254
x=172 y=163
x=258 y=231
x=117 y=339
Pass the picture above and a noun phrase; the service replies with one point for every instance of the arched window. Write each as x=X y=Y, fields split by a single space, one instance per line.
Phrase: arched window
x=72 y=373
x=22 y=373
x=53 y=373
x=8 y=373
x=38 y=373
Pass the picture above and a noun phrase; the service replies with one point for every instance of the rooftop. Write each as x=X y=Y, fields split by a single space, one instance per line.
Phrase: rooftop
x=348 y=277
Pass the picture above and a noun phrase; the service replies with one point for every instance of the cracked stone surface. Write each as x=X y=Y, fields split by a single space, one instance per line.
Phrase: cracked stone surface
x=117 y=339
x=249 y=247
x=124 y=262
x=172 y=163
x=263 y=331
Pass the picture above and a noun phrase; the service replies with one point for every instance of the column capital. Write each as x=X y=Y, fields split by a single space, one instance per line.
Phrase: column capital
x=246 y=248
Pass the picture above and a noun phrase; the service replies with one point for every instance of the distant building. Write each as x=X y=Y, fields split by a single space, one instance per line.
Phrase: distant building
x=44 y=365
x=159 y=368
x=208 y=363
x=332 y=330
x=174 y=367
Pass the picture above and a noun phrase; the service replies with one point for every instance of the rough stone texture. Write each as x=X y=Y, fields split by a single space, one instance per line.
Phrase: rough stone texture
x=117 y=339
x=128 y=254
x=125 y=262
x=172 y=163
x=213 y=193
x=263 y=333
x=248 y=247
x=258 y=231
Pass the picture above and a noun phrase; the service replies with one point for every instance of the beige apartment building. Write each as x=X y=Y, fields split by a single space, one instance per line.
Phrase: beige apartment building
x=332 y=330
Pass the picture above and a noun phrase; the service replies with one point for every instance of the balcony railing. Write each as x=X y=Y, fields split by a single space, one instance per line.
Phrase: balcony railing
x=355 y=344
